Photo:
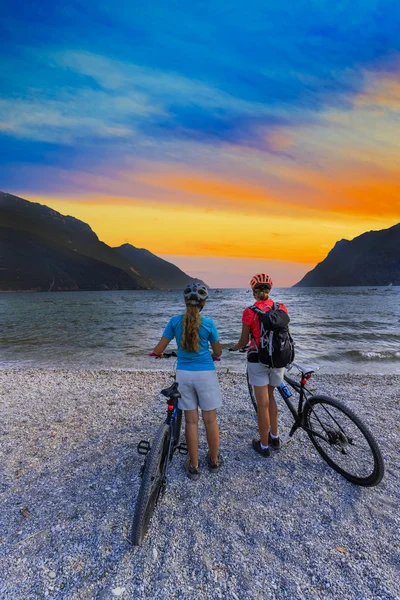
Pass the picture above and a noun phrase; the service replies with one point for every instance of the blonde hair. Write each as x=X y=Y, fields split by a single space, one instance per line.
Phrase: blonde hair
x=191 y=325
x=261 y=294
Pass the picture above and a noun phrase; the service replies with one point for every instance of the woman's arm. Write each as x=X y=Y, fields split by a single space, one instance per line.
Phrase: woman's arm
x=216 y=348
x=244 y=338
x=162 y=344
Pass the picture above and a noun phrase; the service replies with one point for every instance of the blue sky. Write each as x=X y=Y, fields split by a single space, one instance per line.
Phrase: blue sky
x=176 y=104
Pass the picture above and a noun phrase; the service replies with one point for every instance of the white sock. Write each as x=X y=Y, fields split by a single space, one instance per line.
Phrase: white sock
x=274 y=437
x=263 y=447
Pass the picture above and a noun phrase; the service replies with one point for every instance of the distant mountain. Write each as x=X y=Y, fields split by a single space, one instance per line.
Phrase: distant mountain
x=372 y=258
x=41 y=250
x=164 y=274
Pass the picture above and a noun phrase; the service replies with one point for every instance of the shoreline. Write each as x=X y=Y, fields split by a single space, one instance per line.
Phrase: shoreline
x=318 y=375
x=285 y=527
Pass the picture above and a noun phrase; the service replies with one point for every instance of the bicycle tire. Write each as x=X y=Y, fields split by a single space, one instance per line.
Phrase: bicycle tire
x=338 y=438
x=251 y=392
x=151 y=485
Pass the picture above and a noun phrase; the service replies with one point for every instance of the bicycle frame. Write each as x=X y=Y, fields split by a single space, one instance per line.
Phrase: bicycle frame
x=172 y=416
x=300 y=388
x=144 y=446
x=304 y=395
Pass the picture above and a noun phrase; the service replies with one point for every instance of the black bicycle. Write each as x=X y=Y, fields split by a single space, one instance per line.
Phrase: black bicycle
x=155 y=469
x=340 y=437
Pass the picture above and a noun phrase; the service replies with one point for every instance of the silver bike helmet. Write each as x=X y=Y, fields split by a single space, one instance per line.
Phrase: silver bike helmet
x=195 y=293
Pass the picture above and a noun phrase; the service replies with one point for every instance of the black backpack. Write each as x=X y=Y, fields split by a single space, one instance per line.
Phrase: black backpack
x=276 y=347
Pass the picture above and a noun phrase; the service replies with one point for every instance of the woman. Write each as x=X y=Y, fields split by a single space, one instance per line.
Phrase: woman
x=196 y=375
x=263 y=379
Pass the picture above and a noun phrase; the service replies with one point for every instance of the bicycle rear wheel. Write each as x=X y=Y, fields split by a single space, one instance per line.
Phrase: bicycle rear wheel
x=152 y=483
x=343 y=441
x=251 y=392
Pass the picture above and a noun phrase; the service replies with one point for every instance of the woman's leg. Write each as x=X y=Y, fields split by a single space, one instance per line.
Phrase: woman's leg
x=192 y=435
x=212 y=433
x=262 y=398
x=273 y=410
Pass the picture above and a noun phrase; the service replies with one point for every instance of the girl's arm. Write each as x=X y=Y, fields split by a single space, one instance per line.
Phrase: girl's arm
x=162 y=344
x=244 y=338
x=216 y=349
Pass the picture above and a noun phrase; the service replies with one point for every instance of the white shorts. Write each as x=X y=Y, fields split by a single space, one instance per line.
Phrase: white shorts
x=198 y=389
x=260 y=374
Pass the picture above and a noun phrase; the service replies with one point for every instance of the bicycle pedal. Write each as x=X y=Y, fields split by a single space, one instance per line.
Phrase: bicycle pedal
x=182 y=448
x=143 y=447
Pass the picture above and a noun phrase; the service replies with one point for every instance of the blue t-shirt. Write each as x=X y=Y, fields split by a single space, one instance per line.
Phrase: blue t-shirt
x=193 y=361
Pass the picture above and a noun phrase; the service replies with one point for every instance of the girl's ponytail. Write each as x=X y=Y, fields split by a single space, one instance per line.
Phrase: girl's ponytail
x=191 y=325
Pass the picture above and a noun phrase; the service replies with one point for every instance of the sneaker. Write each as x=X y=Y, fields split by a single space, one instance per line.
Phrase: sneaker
x=263 y=451
x=192 y=472
x=212 y=466
x=274 y=443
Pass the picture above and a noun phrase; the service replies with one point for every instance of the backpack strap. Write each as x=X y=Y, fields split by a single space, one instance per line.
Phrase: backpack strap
x=258 y=311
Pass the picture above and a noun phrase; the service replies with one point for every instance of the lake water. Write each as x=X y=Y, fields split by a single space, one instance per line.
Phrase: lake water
x=341 y=330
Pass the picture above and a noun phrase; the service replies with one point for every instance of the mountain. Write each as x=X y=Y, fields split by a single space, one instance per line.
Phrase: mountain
x=42 y=250
x=164 y=274
x=372 y=258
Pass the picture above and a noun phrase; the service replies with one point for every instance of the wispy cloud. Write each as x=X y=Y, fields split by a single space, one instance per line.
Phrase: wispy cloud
x=113 y=96
x=74 y=115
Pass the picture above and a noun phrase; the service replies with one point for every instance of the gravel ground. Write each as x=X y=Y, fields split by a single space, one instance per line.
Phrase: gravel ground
x=285 y=527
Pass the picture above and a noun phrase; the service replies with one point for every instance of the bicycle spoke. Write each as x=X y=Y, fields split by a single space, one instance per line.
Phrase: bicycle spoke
x=343 y=441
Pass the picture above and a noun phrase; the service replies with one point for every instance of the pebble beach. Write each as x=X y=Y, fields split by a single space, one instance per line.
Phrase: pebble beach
x=285 y=527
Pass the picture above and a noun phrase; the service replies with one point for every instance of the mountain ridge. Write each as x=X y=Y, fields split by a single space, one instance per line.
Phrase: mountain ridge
x=370 y=259
x=165 y=274
x=42 y=249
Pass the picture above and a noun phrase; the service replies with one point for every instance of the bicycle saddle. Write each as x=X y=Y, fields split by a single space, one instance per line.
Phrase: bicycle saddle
x=304 y=370
x=172 y=391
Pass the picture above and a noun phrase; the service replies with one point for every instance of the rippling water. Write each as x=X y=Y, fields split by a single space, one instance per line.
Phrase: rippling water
x=342 y=330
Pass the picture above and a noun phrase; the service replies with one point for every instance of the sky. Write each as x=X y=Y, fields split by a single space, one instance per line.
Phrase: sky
x=228 y=138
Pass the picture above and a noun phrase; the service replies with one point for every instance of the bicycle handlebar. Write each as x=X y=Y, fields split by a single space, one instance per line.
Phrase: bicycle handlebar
x=240 y=349
x=174 y=354
x=163 y=355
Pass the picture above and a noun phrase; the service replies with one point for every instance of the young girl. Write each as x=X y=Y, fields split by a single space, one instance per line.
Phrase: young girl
x=264 y=379
x=196 y=375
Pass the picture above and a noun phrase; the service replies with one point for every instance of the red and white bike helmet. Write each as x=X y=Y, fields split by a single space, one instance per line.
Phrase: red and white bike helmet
x=195 y=293
x=261 y=281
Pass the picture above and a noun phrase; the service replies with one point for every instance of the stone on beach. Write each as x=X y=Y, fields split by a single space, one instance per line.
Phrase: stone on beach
x=289 y=527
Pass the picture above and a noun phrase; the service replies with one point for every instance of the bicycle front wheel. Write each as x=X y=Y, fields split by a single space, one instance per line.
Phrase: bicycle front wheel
x=343 y=441
x=251 y=392
x=152 y=483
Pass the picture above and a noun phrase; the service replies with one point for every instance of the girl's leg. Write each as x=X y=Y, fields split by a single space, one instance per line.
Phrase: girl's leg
x=262 y=398
x=192 y=435
x=212 y=432
x=273 y=410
